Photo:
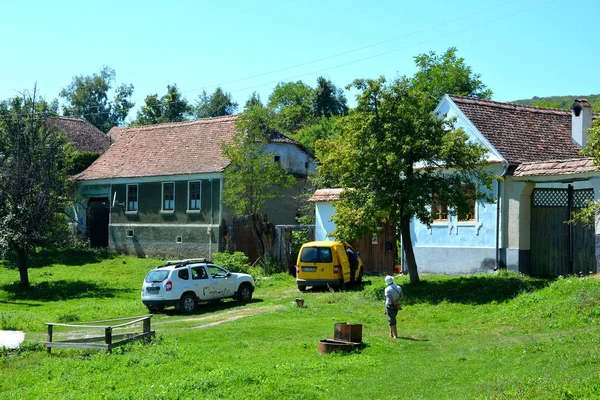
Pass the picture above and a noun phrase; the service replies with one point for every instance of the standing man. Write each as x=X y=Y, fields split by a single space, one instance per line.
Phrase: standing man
x=393 y=297
x=353 y=263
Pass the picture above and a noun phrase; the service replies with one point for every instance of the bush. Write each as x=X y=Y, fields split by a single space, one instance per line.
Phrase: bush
x=234 y=262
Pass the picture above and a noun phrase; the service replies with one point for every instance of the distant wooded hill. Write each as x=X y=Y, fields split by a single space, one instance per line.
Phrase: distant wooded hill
x=563 y=102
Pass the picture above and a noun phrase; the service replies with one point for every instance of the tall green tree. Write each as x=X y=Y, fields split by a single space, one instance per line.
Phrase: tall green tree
x=393 y=156
x=253 y=177
x=35 y=162
x=218 y=104
x=438 y=75
x=329 y=100
x=292 y=104
x=88 y=97
x=253 y=101
x=171 y=107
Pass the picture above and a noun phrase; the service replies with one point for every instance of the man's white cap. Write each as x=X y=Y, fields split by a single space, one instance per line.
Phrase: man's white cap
x=389 y=280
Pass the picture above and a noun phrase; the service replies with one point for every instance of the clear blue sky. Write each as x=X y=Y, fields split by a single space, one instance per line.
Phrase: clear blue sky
x=521 y=48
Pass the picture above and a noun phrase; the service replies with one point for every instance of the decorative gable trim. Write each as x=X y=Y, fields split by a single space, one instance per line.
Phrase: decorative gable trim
x=495 y=155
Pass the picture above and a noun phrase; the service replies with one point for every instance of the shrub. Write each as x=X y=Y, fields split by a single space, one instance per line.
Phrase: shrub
x=234 y=262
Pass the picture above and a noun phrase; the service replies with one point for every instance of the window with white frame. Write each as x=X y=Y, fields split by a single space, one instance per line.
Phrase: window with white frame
x=168 y=196
x=132 y=197
x=469 y=213
x=439 y=209
x=194 y=192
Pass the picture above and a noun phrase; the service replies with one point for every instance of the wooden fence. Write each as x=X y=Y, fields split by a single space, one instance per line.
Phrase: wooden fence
x=109 y=339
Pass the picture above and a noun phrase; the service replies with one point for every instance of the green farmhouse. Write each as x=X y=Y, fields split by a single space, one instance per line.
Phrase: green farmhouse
x=157 y=190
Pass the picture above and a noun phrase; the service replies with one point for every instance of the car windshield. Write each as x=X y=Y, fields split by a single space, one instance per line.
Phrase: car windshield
x=316 y=254
x=156 y=276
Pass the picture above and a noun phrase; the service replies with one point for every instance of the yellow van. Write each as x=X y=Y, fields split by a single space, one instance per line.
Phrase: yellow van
x=326 y=263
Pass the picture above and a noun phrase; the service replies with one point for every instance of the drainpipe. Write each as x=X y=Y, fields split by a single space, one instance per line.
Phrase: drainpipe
x=497 y=262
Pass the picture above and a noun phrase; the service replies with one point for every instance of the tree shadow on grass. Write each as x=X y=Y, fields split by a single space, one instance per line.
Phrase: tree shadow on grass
x=60 y=290
x=65 y=256
x=474 y=290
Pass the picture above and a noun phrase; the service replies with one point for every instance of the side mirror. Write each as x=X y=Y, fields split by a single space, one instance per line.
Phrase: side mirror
x=227 y=275
x=358 y=254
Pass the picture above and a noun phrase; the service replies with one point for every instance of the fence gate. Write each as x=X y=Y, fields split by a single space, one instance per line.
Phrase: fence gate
x=559 y=248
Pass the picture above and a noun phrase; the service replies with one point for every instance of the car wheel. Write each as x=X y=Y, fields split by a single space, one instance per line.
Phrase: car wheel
x=302 y=288
x=244 y=293
x=188 y=303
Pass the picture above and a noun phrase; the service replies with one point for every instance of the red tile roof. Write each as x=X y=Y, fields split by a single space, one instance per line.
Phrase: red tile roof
x=83 y=135
x=175 y=148
x=326 y=195
x=522 y=133
x=556 y=167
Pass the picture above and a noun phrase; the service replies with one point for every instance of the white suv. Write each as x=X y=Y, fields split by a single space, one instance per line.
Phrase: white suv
x=185 y=283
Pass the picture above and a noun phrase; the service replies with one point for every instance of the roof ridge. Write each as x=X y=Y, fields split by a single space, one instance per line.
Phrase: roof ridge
x=509 y=106
x=181 y=123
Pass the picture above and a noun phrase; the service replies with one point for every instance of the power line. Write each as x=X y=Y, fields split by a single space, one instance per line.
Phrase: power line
x=358 y=49
x=352 y=50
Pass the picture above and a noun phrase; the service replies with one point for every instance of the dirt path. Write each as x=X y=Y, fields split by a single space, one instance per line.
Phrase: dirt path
x=218 y=317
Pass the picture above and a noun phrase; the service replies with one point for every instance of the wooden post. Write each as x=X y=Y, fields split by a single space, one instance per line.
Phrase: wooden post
x=49 y=338
x=147 y=325
x=108 y=338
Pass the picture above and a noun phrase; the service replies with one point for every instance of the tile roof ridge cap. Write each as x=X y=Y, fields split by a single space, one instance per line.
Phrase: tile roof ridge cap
x=179 y=123
x=69 y=118
x=509 y=105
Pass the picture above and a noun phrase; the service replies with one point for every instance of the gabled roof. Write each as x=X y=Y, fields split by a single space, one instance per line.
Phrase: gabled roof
x=326 y=195
x=521 y=133
x=83 y=135
x=176 y=148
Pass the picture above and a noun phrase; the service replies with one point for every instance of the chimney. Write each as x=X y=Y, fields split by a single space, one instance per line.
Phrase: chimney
x=581 y=117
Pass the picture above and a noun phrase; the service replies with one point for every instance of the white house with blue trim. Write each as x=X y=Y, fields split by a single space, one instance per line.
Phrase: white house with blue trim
x=536 y=151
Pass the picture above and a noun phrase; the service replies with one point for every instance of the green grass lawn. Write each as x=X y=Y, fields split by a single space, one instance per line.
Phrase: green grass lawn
x=499 y=336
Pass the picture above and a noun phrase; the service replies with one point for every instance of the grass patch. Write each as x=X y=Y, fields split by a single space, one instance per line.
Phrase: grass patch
x=501 y=336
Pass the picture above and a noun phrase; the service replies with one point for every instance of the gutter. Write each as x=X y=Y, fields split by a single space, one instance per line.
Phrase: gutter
x=497 y=261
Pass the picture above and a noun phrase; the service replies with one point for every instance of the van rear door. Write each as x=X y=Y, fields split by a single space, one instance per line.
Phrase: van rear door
x=315 y=263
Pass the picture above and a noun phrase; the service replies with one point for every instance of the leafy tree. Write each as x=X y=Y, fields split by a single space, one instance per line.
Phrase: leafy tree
x=447 y=74
x=35 y=162
x=328 y=99
x=292 y=103
x=393 y=156
x=88 y=97
x=323 y=128
x=217 y=104
x=253 y=101
x=252 y=177
x=171 y=107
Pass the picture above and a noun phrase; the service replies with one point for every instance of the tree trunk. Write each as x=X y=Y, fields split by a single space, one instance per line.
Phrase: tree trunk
x=263 y=241
x=407 y=247
x=22 y=262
